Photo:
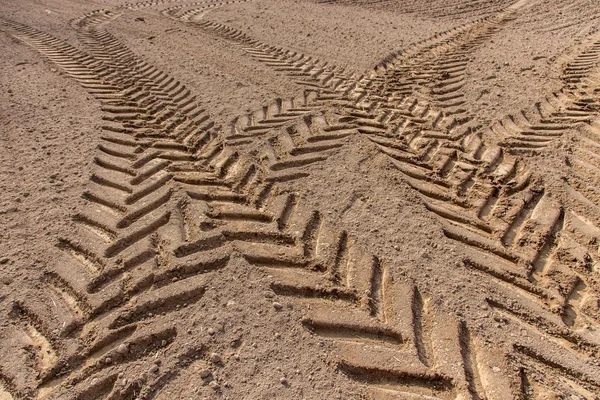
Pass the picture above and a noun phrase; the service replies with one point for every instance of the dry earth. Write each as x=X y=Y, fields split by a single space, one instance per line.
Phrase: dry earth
x=258 y=199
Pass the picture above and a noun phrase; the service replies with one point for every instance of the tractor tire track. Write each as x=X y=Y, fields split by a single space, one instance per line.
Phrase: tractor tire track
x=572 y=110
x=449 y=158
x=442 y=157
x=176 y=202
x=307 y=71
x=107 y=276
x=531 y=131
x=442 y=9
x=139 y=253
x=391 y=338
x=494 y=205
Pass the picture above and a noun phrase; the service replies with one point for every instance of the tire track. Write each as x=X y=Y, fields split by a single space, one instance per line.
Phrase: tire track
x=442 y=9
x=138 y=253
x=534 y=130
x=573 y=109
x=435 y=162
x=284 y=111
x=107 y=276
x=165 y=244
x=294 y=114
x=442 y=156
x=354 y=303
x=518 y=233
x=309 y=135
x=437 y=73
x=493 y=204
x=306 y=70
x=391 y=338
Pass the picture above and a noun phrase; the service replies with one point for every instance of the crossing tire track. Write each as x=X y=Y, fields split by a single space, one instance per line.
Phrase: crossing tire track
x=456 y=158
x=171 y=199
x=514 y=231
x=436 y=71
x=234 y=221
x=490 y=201
x=282 y=113
x=138 y=251
x=493 y=204
x=246 y=128
x=457 y=172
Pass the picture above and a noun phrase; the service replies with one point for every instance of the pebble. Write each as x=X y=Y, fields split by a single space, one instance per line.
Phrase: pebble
x=214 y=385
x=3 y=260
x=205 y=373
x=283 y=381
x=269 y=294
x=211 y=331
x=277 y=306
x=6 y=280
x=123 y=349
x=215 y=358
x=108 y=360
x=154 y=369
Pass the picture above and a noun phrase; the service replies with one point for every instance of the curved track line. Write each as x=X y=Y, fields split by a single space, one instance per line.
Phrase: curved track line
x=181 y=195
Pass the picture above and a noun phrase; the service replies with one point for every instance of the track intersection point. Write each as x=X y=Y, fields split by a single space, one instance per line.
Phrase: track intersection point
x=263 y=253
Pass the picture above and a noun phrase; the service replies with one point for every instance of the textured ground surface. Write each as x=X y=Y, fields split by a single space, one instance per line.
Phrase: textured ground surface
x=347 y=199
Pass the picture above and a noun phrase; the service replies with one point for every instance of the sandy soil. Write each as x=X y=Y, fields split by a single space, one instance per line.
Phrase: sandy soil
x=300 y=199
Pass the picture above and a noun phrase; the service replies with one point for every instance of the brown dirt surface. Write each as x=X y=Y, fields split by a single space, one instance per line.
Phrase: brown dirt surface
x=300 y=199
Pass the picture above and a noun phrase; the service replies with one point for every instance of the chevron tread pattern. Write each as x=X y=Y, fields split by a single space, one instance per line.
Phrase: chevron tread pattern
x=173 y=196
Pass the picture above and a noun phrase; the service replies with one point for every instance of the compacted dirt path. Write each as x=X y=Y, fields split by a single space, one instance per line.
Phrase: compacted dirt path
x=255 y=199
